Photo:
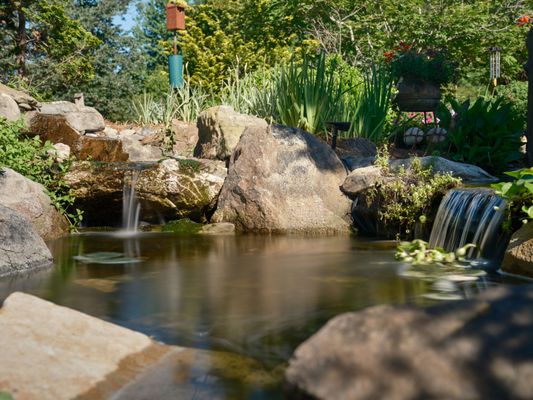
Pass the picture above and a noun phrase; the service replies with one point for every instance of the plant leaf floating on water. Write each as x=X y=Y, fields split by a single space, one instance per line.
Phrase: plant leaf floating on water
x=106 y=258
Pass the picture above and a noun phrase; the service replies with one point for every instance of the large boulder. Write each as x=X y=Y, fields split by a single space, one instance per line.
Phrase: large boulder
x=30 y=199
x=56 y=128
x=284 y=180
x=518 y=259
x=82 y=118
x=361 y=179
x=21 y=248
x=171 y=189
x=219 y=131
x=356 y=147
x=476 y=349
x=9 y=108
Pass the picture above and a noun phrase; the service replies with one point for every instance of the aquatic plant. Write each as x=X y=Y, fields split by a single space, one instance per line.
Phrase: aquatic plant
x=419 y=252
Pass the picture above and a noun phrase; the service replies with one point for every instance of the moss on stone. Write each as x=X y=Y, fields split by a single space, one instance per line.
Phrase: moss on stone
x=183 y=226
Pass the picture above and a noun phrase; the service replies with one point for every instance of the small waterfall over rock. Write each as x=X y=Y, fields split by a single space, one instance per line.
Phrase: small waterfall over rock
x=471 y=216
x=131 y=207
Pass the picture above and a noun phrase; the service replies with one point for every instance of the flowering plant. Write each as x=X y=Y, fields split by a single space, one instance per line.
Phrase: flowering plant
x=426 y=65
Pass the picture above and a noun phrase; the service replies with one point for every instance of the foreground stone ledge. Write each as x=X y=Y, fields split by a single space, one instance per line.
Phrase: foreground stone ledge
x=477 y=349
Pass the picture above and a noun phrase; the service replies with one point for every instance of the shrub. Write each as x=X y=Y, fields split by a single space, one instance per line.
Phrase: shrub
x=408 y=197
x=29 y=157
x=486 y=133
x=519 y=196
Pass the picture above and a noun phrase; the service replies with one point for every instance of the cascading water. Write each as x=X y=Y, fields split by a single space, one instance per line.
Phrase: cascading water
x=471 y=216
x=131 y=207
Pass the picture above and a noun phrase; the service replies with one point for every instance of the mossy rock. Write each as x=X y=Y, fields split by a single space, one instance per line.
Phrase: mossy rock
x=183 y=227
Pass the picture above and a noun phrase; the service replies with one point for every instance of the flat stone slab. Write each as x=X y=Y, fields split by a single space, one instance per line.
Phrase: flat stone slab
x=49 y=352
x=52 y=352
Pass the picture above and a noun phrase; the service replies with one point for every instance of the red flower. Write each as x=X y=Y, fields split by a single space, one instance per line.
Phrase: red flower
x=389 y=55
x=405 y=47
x=524 y=20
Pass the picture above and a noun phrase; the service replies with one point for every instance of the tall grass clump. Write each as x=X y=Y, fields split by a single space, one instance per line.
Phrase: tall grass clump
x=307 y=96
x=372 y=105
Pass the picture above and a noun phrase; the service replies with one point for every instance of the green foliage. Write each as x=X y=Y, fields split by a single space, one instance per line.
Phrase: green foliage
x=429 y=65
x=516 y=93
x=5 y=396
x=30 y=158
x=418 y=252
x=519 y=197
x=51 y=51
x=372 y=105
x=183 y=227
x=486 y=133
x=307 y=96
x=407 y=197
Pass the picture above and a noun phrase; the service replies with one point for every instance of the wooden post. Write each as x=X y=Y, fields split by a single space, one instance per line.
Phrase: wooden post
x=529 y=70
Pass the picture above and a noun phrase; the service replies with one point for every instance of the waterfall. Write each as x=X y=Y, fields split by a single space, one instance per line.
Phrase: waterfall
x=471 y=216
x=131 y=207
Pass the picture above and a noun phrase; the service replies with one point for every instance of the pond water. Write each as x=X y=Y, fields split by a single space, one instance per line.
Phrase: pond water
x=253 y=298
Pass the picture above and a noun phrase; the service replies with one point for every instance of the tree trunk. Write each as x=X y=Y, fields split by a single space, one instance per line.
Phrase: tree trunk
x=22 y=41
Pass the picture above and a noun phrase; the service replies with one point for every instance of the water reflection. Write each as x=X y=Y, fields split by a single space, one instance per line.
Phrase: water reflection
x=258 y=297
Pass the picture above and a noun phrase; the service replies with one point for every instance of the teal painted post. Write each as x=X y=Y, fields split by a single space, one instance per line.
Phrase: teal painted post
x=175 y=67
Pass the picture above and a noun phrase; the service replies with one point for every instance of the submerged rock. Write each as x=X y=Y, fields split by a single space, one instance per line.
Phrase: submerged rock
x=188 y=227
x=475 y=349
x=518 y=257
x=219 y=131
x=171 y=189
x=21 y=248
x=29 y=198
x=284 y=180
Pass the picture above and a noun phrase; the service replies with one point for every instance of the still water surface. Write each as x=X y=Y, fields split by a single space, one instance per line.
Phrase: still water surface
x=253 y=296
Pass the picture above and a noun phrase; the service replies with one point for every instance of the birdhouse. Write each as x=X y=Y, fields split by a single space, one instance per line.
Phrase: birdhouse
x=175 y=17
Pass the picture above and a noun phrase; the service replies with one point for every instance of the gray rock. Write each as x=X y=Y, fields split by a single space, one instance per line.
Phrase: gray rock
x=60 y=152
x=81 y=118
x=21 y=248
x=139 y=152
x=467 y=172
x=518 y=259
x=477 y=349
x=30 y=199
x=284 y=180
x=170 y=189
x=219 y=131
x=20 y=97
x=9 y=108
x=361 y=179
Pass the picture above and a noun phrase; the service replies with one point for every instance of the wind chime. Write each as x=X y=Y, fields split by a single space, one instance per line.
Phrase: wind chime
x=495 y=65
x=175 y=23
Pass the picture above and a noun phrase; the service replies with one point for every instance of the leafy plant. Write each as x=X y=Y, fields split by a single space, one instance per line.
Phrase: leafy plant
x=408 y=197
x=307 y=95
x=372 y=105
x=519 y=196
x=485 y=133
x=29 y=157
x=418 y=252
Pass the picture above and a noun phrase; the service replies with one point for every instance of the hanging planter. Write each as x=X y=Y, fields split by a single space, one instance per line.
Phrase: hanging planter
x=175 y=17
x=415 y=95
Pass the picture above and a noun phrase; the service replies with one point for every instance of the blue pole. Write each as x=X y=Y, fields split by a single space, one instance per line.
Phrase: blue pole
x=175 y=67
